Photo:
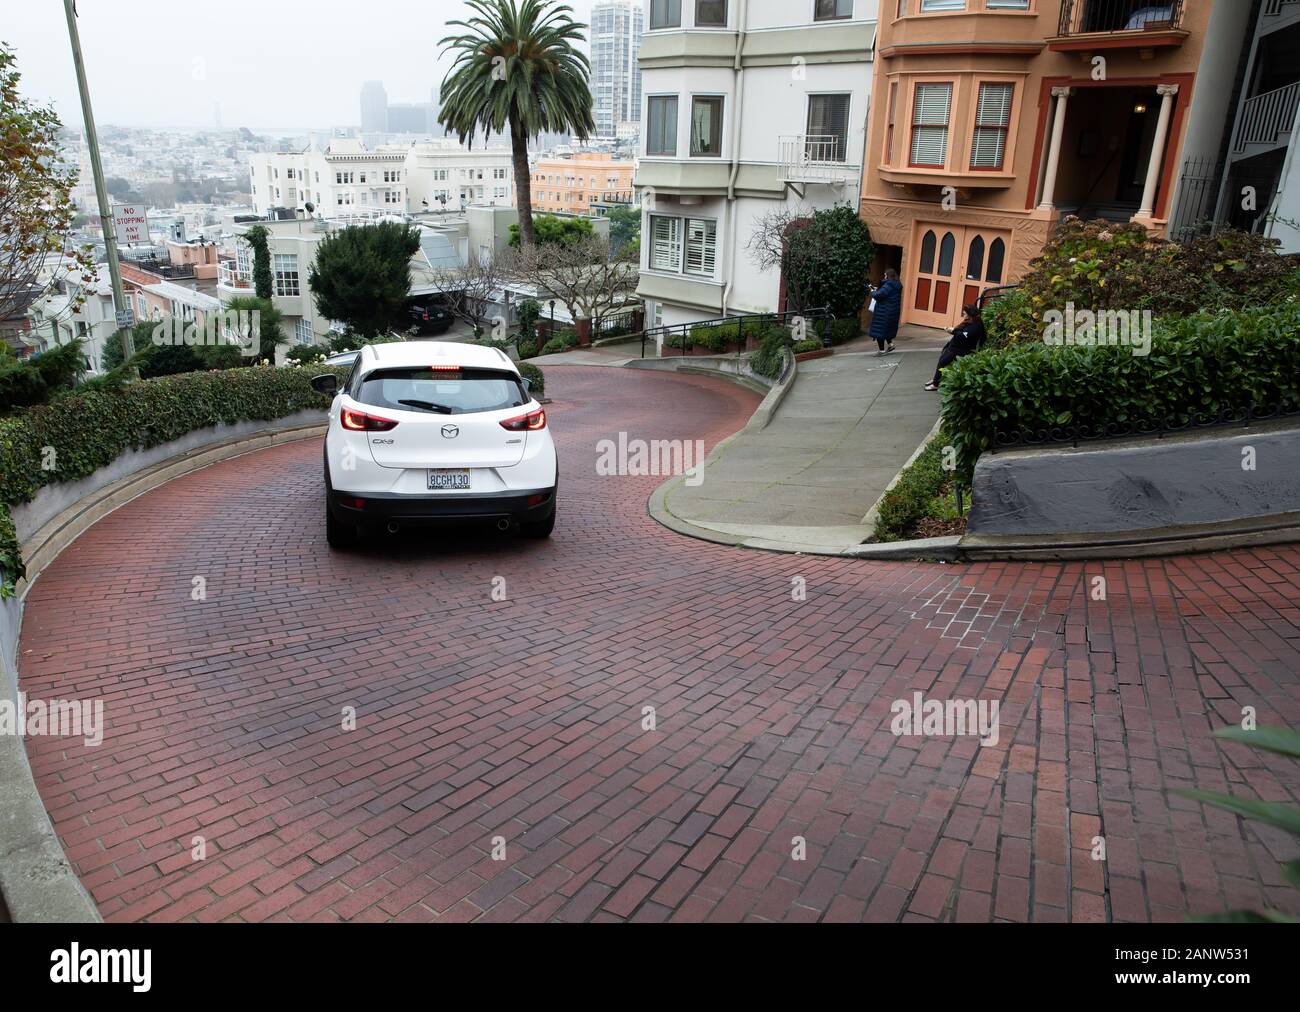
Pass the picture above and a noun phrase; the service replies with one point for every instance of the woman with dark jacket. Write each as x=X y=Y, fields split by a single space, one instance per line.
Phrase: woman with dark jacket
x=967 y=337
x=889 y=307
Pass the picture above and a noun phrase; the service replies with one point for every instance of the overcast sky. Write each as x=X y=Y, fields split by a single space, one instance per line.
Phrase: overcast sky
x=269 y=63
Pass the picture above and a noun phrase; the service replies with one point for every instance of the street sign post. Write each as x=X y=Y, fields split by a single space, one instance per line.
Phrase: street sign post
x=130 y=223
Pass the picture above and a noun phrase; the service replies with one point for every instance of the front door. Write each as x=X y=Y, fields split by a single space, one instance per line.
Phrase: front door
x=953 y=266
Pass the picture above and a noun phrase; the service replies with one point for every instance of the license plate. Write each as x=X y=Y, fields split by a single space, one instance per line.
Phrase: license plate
x=448 y=481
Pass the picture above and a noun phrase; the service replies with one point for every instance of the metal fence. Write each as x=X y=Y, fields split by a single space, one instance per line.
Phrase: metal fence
x=1198 y=190
x=818 y=319
x=1084 y=17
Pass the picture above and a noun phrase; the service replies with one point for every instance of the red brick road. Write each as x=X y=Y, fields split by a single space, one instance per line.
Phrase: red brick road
x=522 y=719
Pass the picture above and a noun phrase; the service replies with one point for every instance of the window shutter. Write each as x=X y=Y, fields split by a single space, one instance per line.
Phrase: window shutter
x=701 y=246
x=666 y=249
x=930 y=124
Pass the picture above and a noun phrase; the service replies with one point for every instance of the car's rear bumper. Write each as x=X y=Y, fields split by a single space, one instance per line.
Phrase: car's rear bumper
x=373 y=509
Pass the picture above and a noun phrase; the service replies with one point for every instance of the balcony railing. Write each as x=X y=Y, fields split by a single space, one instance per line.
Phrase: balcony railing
x=815 y=158
x=1273 y=8
x=228 y=277
x=1091 y=17
x=1268 y=118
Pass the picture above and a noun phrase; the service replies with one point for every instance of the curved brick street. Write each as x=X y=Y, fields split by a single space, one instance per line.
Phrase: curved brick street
x=522 y=719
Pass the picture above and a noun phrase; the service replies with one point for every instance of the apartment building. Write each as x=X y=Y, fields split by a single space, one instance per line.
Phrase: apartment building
x=347 y=178
x=749 y=106
x=616 y=27
x=581 y=183
x=444 y=175
x=995 y=118
x=1259 y=189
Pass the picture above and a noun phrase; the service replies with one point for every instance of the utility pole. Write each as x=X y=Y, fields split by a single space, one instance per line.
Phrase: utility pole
x=105 y=209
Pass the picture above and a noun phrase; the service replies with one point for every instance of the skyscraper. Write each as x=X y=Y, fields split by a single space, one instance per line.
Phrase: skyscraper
x=374 y=108
x=616 y=27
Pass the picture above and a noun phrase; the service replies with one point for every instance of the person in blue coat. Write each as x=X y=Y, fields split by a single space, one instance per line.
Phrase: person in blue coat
x=889 y=307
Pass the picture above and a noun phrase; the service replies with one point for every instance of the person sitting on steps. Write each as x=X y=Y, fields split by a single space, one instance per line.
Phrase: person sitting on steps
x=967 y=337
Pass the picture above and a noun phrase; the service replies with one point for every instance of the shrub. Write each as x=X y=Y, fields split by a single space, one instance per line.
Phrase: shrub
x=91 y=429
x=38 y=379
x=305 y=354
x=1201 y=365
x=924 y=495
x=845 y=330
x=769 y=360
x=535 y=376
x=803 y=347
x=562 y=340
x=529 y=312
x=1103 y=265
x=827 y=258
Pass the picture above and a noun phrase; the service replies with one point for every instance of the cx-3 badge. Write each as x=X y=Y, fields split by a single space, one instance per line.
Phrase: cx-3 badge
x=450 y=432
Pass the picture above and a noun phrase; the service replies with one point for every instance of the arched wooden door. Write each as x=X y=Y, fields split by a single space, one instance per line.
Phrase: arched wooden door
x=933 y=281
x=952 y=267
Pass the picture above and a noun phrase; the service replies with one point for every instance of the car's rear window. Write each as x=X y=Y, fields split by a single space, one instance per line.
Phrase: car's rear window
x=462 y=392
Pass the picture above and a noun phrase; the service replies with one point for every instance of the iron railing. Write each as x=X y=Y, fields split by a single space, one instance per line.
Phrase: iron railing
x=1006 y=439
x=815 y=158
x=1272 y=8
x=1267 y=118
x=819 y=320
x=1089 y=17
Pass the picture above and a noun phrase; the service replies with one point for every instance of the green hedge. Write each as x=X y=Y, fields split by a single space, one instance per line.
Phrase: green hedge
x=1199 y=365
x=769 y=359
x=90 y=430
x=532 y=373
x=913 y=499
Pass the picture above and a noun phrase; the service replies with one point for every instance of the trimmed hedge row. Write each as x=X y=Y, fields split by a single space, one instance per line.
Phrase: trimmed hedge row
x=90 y=430
x=910 y=501
x=1199 y=366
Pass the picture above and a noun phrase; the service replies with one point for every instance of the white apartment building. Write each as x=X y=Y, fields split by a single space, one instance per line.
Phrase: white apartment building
x=346 y=178
x=749 y=106
x=616 y=27
x=445 y=175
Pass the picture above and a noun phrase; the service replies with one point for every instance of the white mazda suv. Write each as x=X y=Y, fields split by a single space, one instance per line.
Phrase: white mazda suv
x=427 y=433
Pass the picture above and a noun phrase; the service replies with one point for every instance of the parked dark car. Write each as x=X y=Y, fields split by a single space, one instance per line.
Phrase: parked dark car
x=429 y=319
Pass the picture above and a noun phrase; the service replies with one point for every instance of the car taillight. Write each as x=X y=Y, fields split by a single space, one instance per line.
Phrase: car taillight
x=359 y=421
x=526 y=423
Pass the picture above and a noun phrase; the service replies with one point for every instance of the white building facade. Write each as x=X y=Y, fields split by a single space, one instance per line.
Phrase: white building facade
x=616 y=27
x=749 y=106
x=347 y=179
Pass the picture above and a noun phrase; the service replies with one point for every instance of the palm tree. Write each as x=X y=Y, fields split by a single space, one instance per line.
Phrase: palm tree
x=516 y=66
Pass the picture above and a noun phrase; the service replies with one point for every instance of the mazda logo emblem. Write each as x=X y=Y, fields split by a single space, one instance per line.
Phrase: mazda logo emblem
x=450 y=431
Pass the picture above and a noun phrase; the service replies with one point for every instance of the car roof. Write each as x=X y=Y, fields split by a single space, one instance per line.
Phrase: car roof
x=406 y=354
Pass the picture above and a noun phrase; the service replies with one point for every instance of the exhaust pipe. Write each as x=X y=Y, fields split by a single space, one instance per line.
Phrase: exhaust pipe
x=503 y=525
x=394 y=527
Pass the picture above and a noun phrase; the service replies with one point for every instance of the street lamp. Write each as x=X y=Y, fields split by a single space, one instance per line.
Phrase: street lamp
x=552 y=318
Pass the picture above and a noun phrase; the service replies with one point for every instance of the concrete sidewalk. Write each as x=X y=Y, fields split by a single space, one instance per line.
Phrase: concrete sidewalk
x=807 y=481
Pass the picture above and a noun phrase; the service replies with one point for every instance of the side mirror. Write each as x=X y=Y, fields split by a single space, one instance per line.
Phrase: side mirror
x=327 y=384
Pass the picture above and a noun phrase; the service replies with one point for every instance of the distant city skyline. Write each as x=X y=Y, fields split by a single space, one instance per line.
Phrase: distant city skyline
x=263 y=65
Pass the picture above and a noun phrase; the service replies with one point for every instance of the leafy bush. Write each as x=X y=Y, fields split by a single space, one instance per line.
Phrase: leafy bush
x=769 y=360
x=1103 y=265
x=92 y=429
x=552 y=228
x=535 y=376
x=40 y=378
x=803 y=347
x=562 y=340
x=924 y=493
x=529 y=312
x=305 y=354
x=1204 y=364
x=827 y=258
x=845 y=330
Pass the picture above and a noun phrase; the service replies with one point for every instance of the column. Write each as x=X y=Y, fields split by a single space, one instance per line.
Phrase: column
x=1166 y=93
x=1062 y=96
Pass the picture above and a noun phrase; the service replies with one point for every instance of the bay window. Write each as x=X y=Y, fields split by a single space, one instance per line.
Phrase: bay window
x=930 y=113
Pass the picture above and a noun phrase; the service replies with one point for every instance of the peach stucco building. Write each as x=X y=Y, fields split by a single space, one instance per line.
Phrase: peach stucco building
x=994 y=118
x=579 y=183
